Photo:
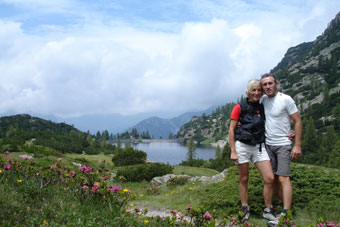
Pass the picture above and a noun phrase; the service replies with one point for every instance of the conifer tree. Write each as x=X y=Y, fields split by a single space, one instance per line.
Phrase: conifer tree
x=191 y=154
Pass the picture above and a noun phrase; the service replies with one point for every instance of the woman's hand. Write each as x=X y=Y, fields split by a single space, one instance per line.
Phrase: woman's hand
x=233 y=156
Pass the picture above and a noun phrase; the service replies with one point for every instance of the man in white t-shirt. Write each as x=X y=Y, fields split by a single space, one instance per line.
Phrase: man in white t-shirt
x=280 y=109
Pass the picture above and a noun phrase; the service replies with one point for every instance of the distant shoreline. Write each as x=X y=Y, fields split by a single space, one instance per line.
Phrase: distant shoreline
x=144 y=140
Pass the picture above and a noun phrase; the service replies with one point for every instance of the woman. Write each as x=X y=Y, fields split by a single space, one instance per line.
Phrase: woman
x=247 y=144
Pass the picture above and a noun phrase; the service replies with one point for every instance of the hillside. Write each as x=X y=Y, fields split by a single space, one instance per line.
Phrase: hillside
x=23 y=132
x=310 y=73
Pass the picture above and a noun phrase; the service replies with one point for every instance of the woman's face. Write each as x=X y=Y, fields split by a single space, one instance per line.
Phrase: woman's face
x=255 y=94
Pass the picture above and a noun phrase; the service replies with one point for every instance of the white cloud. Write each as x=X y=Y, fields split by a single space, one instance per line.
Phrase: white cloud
x=116 y=67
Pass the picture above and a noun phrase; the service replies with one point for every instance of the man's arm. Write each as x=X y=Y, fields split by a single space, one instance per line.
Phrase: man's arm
x=296 y=151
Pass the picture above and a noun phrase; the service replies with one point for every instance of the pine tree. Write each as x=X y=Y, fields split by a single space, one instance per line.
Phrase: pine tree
x=334 y=160
x=326 y=146
x=309 y=141
x=191 y=154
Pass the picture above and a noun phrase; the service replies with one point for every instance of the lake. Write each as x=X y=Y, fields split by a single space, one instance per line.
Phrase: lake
x=171 y=152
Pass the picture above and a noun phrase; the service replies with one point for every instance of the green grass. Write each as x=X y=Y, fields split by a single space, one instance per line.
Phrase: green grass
x=316 y=194
x=194 y=171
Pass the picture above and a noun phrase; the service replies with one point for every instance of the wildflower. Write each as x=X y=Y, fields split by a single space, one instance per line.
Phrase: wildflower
x=53 y=166
x=66 y=174
x=247 y=223
x=45 y=223
x=25 y=158
x=141 y=195
x=233 y=219
x=189 y=207
x=190 y=188
x=330 y=224
x=95 y=189
x=320 y=225
x=19 y=181
x=0 y=171
x=85 y=187
x=146 y=221
x=126 y=190
x=6 y=152
x=82 y=168
x=72 y=173
x=207 y=216
x=59 y=159
x=131 y=205
x=127 y=211
x=7 y=167
x=88 y=169
x=338 y=225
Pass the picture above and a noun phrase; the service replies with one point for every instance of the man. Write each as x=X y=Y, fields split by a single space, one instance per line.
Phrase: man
x=280 y=109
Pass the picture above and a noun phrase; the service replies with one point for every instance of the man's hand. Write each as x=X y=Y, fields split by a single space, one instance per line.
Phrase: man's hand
x=296 y=152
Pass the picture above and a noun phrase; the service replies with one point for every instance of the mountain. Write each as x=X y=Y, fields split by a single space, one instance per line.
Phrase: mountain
x=160 y=127
x=309 y=72
x=25 y=133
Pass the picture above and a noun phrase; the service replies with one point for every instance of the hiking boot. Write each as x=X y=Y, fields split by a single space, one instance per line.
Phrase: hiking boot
x=269 y=214
x=246 y=212
x=276 y=222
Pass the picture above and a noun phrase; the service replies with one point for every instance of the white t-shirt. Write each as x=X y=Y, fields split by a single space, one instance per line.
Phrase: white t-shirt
x=277 y=111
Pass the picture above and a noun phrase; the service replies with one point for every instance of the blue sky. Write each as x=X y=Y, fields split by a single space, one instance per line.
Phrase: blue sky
x=72 y=58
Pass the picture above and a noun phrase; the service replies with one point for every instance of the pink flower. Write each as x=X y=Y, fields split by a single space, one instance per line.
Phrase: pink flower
x=320 y=225
x=53 y=166
x=59 y=159
x=189 y=207
x=82 y=168
x=330 y=224
x=207 y=216
x=7 y=167
x=95 y=187
x=338 y=225
x=88 y=169
x=72 y=173
x=85 y=187
x=6 y=152
x=25 y=158
x=247 y=223
x=233 y=219
x=174 y=212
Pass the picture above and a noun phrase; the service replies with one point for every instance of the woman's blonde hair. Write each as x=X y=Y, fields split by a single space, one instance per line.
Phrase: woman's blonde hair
x=251 y=84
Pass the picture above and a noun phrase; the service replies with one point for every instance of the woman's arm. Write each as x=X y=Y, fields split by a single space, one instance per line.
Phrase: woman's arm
x=233 y=155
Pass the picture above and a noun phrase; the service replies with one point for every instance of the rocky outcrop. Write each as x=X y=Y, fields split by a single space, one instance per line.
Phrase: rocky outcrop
x=159 y=181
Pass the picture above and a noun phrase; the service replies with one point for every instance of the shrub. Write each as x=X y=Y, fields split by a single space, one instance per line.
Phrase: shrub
x=177 y=180
x=315 y=189
x=129 y=156
x=146 y=171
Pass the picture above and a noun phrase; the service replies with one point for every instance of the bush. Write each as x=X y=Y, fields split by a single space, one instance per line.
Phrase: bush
x=193 y=162
x=315 y=189
x=129 y=156
x=142 y=172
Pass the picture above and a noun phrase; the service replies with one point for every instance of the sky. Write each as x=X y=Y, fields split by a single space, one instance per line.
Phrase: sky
x=71 y=58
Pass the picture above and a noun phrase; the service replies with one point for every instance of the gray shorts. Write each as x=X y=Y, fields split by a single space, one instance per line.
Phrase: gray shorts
x=280 y=159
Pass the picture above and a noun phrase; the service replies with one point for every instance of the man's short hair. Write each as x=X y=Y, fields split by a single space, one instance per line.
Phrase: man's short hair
x=268 y=75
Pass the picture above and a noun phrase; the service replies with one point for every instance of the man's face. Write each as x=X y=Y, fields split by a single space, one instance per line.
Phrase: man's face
x=269 y=86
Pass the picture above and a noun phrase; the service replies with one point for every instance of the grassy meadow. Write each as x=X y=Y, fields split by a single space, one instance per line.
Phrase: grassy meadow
x=49 y=191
